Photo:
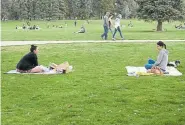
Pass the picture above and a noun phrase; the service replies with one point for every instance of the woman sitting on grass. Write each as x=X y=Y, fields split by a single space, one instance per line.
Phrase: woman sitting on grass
x=29 y=63
x=82 y=30
x=159 y=66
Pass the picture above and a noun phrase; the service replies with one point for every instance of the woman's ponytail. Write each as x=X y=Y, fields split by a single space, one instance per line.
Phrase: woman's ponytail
x=165 y=46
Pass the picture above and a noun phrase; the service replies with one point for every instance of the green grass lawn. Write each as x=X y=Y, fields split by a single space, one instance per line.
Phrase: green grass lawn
x=98 y=92
x=141 y=31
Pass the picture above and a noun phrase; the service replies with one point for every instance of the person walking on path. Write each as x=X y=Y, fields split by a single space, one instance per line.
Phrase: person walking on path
x=105 y=26
x=117 y=27
x=110 y=23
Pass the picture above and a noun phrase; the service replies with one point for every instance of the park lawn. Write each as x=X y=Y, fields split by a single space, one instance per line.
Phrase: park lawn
x=98 y=92
x=141 y=31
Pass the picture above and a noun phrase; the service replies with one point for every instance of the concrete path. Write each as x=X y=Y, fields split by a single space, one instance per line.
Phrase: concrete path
x=15 y=43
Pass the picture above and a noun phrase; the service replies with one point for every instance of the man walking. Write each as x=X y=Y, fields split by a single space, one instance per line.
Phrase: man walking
x=105 y=25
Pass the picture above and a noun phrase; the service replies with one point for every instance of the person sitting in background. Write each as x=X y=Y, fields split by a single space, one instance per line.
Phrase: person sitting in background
x=34 y=27
x=60 y=26
x=82 y=30
x=18 y=27
x=130 y=24
x=23 y=26
x=180 y=26
x=37 y=27
x=29 y=62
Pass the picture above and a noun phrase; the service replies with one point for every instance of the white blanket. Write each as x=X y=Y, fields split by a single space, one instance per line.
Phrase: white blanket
x=48 y=72
x=132 y=71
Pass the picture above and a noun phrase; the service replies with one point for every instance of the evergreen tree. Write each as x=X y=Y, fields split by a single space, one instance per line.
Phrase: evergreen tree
x=5 y=5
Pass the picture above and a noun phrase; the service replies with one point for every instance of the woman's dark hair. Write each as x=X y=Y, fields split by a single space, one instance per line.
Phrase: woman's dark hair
x=33 y=47
x=110 y=15
x=160 y=43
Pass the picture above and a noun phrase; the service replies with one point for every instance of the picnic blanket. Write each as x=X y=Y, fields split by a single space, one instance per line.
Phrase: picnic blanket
x=46 y=71
x=15 y=72
x=134 y=71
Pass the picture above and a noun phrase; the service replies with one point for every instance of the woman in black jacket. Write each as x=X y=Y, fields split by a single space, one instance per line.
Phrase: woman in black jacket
x=29 y=62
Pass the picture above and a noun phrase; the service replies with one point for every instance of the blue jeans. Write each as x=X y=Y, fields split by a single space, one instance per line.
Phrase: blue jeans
x=119 y=30
x=106 y=30
x=150 y=64
x=111 y=30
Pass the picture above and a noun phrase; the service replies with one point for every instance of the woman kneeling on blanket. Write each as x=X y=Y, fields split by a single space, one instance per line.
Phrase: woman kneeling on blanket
x=159 y=66
x=29 y=63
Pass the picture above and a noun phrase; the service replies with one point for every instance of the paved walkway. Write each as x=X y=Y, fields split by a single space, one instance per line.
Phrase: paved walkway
x=15 y=43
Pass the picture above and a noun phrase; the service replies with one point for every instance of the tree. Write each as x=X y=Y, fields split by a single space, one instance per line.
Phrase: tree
x=88 y=8
x=133 y=6
x=5 y=4
x=14 y=10
x=127 y=8
x=62 y=9
x=100 y=7
x=160 y=11
x=127 y=12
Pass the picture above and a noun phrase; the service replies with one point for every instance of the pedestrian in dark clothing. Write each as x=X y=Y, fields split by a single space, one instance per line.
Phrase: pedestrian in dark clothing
x=75 y=23
x=105 y=26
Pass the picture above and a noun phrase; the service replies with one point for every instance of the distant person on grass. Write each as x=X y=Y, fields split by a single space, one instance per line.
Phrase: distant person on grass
x=160 y=65
x=65 y=24
x=180 y=26
x=105 y=26
x=60 y=26
x=117 y=27
x=37 y=27
x=75 y=23
x=18 y=27
x=34 y=27
x=23 y=26
x=130 y=24
x=82 y=30
x=87 y=21
x=29 y=63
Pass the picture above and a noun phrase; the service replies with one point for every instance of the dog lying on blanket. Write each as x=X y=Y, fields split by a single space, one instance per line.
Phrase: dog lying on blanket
x=174 y=63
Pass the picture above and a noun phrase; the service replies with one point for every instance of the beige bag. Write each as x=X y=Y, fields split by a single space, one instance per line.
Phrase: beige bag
x=64 y=67
x=61 y=68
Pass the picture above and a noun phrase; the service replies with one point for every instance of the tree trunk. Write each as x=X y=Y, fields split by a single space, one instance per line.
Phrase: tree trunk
x=159 y=25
